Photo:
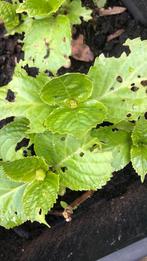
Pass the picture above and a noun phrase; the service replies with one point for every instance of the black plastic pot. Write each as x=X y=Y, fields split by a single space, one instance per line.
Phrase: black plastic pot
x=138 y=8
x=99 y=228
x=134 y=252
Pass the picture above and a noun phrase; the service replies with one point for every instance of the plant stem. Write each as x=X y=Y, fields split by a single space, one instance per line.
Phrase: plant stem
x=68 y=211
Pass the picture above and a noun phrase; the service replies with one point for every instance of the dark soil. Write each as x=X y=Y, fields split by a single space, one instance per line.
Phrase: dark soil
x=99 y=228
x=12 y=246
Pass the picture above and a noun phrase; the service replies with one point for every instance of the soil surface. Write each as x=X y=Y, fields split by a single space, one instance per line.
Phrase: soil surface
x=14 y=243
x=100 y=227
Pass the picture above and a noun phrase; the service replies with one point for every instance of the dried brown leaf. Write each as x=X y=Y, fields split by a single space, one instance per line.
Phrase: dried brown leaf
x=115 y=35
x=81 y=51
x=111 y=10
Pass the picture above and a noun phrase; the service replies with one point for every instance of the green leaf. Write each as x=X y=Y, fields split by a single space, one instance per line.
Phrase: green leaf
x=119 y=82
x=39 y=196
x=11 y=210
x=24 y=170
x=68 y=87
x=20 y=202
x=54 y=147
x=125 y=126
x=81 y=163
x=87 y=176
x=74 y=10
x=139 y=148
x=63 y=204
x=42 y=40
x=139 y=160
x=8 y=15
x=139 y=135
x=39 y=9
x=76 y=119
x=100 y=3
x=118 y=142
x=10 y=135
x=23 y=27
x=27 y=99
x=40 y=175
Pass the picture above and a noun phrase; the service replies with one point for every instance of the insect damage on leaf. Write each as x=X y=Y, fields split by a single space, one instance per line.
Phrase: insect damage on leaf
x=45 y=25
x=121 y=90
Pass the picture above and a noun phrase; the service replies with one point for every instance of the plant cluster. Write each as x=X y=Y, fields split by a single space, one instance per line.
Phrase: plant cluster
x=78 y=129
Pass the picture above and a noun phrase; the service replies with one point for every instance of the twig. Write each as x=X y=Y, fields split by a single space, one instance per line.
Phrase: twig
x=68 y=211
x=77 y=202
x=56 y=213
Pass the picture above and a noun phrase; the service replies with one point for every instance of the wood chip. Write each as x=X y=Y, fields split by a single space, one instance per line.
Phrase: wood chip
x=111 y=10
x=81 y=51
x=115 y=35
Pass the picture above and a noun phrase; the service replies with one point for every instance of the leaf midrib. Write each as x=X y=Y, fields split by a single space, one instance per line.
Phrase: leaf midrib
x=12 y=191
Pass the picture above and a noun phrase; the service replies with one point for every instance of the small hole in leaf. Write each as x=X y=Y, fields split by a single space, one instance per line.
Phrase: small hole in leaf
x=115 y=129
x=133 y=122
x=139 y=76
x=15 y=212
x=133 y=84
x=145 y=115
x=93 y=147
x=40 y=211
x=119 y=79
x=64 y=169
x=129 y=115
x=31 y=150
x=65 y=12
x=25 y=153
x=144 y=83
x=81 y=154
x=112 y=89
x=10 y=96
x=6 y=121
x=23 y=143
x=52 y=169
x=105 y=123
x=31 y=71
x=48 y=73
x=134 y=88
